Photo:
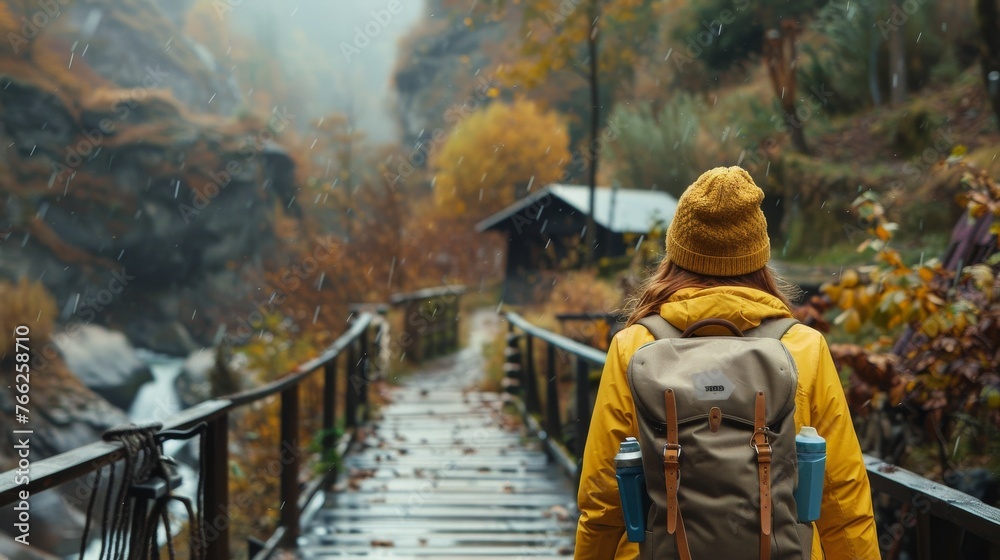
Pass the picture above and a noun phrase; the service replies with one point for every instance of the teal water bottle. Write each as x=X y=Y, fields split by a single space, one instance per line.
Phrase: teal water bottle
x=811 y=451
x=632 y=488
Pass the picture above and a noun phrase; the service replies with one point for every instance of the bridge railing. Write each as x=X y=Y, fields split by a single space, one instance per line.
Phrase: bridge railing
x=946 y=521
x=430 y=321
x=353 y=346
x=521 y=369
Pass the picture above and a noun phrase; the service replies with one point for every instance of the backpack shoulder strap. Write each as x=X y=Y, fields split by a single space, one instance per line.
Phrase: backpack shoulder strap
x=774 y=328
x=659 y=327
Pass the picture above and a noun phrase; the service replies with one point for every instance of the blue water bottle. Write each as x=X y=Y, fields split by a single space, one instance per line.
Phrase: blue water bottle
x=632 y=488
x=811 y=451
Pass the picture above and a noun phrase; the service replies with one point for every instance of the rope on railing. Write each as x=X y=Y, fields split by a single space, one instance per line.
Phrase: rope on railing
x=133 y=510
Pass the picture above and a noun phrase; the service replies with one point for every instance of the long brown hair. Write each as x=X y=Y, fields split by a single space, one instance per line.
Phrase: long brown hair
x=668 y=278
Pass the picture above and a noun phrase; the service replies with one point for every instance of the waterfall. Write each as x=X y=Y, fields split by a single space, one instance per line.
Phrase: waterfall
x=156 y=401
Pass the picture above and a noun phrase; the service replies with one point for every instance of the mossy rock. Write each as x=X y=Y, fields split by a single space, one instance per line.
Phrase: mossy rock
x=910 y=130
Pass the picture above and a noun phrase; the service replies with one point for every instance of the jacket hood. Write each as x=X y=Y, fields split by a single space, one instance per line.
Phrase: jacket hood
x=744 y=307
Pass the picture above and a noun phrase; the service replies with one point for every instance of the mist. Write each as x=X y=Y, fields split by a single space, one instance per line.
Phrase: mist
x=345 y=50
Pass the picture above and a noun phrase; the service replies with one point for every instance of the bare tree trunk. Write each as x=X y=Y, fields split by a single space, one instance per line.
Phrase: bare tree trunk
x=873 y=87
x=897 y=56
x=989 y=28
x=595 y=114
x=780 y=57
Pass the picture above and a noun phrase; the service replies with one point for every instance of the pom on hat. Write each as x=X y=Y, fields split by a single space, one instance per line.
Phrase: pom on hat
x=719 y=228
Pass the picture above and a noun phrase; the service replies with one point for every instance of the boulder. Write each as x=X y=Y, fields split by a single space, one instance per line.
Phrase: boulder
x=105 y=362
x=193 y=384
x=55 y=527
x=65 y=415
x=15 y=551
x=200 y=379
x=135 y=191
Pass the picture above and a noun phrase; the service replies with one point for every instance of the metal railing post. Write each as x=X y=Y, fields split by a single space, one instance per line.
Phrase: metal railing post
x=329 y=406
x=440 y=335
x=290 y=465
x=363 y=370
x=350 y=394
x=452 y=326
x=553 y=424
x=512 y=368
x=216 y=499
x=530 y=381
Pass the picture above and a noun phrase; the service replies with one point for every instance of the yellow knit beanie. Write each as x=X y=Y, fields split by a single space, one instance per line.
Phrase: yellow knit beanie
x=719 y=228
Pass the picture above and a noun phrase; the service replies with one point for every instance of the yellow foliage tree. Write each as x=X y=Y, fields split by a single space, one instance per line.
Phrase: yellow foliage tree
x=591 y=43
x=27 y=305
x=496 y=155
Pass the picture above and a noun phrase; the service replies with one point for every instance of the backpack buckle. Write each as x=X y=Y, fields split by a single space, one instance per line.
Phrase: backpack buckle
x=675 y=452
x=759 y=439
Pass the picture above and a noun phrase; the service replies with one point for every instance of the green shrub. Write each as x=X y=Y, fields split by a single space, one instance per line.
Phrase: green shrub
x=850 y=54
x=657 y=151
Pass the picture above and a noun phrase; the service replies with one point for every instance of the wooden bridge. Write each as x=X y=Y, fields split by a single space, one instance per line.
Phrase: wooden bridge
x=444 y=469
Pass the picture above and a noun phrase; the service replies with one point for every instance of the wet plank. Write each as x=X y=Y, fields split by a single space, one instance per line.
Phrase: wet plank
x=444 y=474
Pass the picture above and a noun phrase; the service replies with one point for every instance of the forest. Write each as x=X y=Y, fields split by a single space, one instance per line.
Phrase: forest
x=213 y=181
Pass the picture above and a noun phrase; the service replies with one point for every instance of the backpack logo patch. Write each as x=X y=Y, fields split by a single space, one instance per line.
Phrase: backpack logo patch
x=712 y=386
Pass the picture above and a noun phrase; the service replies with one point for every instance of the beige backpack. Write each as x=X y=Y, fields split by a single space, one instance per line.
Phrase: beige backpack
x=717 y=434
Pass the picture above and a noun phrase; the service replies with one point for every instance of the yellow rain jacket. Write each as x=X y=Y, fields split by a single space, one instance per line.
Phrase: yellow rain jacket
x=846 y=528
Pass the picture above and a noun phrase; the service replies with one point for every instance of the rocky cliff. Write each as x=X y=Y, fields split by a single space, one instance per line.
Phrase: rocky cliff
x=133 y=184
x=444 y=54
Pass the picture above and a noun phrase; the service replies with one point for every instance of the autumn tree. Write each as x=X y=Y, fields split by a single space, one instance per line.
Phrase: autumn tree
x=336 y=152
x=496 y=155
x=590 y=43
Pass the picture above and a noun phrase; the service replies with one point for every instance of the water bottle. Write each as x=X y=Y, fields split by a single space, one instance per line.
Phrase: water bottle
x=811 y=451
x=632 y=489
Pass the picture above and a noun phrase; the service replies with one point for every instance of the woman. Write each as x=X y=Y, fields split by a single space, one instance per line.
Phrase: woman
x=716 y=266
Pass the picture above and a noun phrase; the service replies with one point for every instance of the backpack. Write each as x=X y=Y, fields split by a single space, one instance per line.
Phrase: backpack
x=717 y=434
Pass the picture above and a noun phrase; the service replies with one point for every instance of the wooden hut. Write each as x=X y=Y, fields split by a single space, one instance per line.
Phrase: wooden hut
x=544 y=230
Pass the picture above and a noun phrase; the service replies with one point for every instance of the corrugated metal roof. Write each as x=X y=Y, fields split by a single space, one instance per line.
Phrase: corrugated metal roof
x=619 y=210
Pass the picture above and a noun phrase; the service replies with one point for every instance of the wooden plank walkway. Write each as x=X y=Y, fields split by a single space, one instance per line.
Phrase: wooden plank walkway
x=444 y=473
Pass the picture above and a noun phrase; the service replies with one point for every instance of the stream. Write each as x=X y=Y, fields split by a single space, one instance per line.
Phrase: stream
x=156 y=401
